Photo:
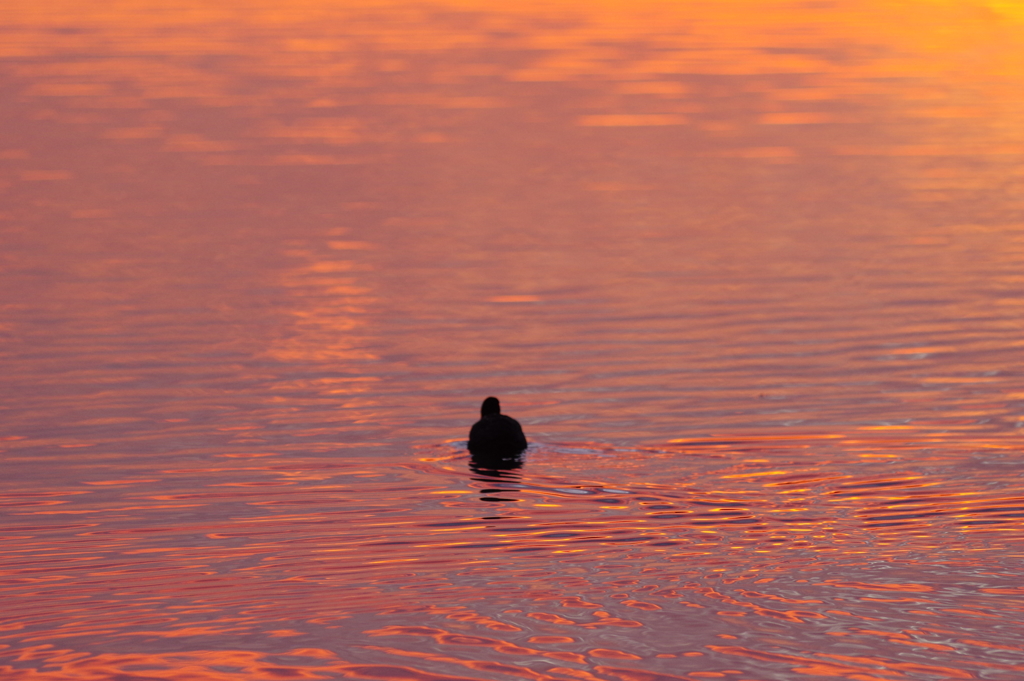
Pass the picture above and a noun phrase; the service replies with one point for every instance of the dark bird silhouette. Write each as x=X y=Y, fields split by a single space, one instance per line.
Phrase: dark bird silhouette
x=495 y=439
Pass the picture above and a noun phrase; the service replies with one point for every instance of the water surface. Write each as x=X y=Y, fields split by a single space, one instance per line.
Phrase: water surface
x=749 y=274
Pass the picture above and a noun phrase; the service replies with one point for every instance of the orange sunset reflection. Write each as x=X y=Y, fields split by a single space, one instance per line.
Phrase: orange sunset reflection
x=749 y=273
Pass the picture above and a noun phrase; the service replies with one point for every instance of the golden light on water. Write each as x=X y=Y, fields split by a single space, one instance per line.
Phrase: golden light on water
x=749 y=273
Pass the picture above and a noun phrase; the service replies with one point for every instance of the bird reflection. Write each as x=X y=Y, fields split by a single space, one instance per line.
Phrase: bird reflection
x=496 y=467
x=495 y=470
x=496 y=446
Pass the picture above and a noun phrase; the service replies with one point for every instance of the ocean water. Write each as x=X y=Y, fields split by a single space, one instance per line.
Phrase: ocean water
x=749 y=273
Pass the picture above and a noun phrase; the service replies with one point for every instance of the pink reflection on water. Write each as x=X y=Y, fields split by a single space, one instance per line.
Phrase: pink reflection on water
x=750 y=279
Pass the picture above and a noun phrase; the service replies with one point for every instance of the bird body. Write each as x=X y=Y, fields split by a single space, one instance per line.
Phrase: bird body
x=496 y=435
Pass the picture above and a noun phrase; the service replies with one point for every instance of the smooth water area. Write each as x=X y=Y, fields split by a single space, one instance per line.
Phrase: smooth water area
x=749 y=273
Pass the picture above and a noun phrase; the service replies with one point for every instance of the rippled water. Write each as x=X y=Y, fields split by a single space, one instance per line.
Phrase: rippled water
x=750 y=273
